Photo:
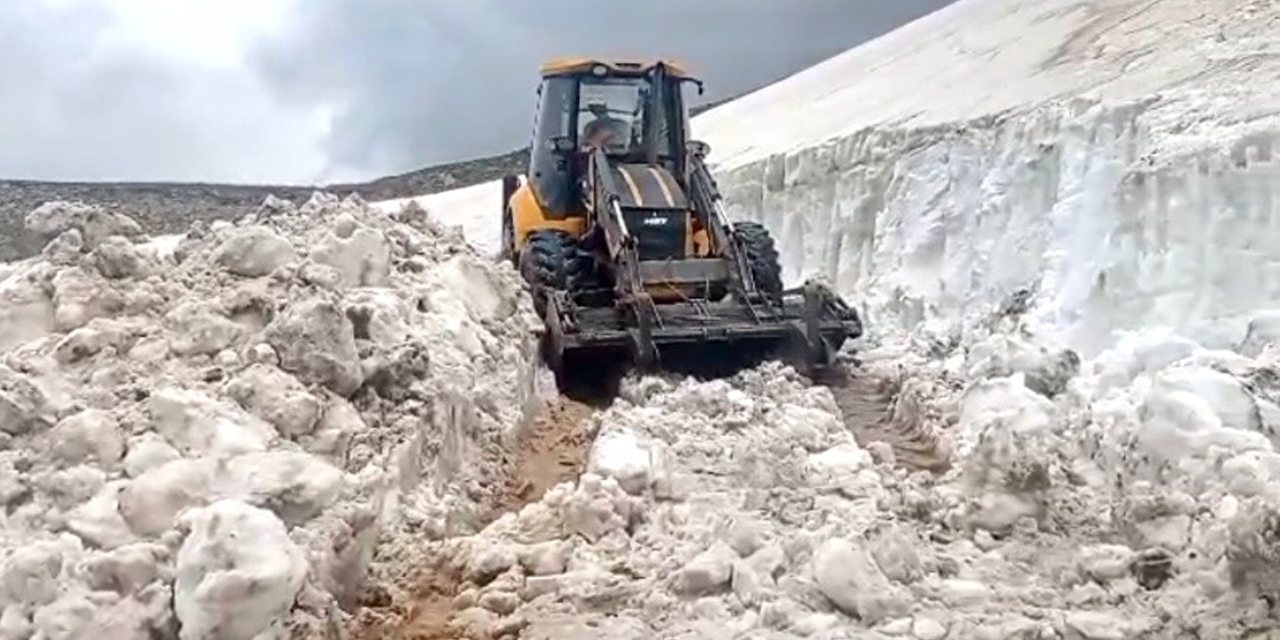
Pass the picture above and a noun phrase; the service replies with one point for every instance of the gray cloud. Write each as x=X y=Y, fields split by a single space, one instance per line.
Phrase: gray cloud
x=423 y=82
x=408 y=82
x=80 y=100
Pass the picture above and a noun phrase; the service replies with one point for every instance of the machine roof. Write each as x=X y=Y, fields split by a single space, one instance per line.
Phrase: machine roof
x=566 y=66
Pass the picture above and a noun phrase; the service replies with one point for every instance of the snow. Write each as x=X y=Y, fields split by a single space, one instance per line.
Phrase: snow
x=476 y=210
x=1111 y=157
x=1057 y=217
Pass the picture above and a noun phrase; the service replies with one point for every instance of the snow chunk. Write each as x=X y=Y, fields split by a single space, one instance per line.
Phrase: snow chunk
x=237 y=573
x=849 y=577
x=197 y=424
x=618 y=454
x=278 y=398
x=91 y=435
x=93 y=223
x=360 y=255
x=316 y=342
x=23 y=406
x=254 y=251
x=294 y=485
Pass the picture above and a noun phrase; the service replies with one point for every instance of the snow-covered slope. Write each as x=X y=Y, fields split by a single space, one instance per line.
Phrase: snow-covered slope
x=1113 y=156
x=475 y=209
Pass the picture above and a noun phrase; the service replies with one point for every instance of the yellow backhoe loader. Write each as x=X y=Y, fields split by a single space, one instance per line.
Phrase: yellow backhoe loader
x=619 y=230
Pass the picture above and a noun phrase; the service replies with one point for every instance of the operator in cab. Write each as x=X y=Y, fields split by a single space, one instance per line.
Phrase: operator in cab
x=604 y=130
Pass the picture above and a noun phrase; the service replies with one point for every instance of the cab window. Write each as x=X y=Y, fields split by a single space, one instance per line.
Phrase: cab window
x=610 y=113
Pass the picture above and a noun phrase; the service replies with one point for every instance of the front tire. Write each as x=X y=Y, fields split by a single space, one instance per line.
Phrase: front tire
x=544 y=263
x=762 y=258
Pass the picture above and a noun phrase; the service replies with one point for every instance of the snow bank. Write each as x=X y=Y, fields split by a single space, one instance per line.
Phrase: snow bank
x=1113 y=159
x=1067 y=205
x=476 y=210
x=204 y=437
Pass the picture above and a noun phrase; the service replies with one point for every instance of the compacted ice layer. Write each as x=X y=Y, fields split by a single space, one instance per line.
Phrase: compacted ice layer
x=745 y=507
x=204 y=437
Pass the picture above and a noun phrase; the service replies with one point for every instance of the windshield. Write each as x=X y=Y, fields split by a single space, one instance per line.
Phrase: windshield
x=609 y=112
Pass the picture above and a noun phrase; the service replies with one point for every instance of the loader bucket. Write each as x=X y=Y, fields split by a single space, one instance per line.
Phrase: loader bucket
x=590 y=349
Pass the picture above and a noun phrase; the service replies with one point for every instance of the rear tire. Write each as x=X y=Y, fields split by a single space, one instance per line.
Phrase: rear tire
x=762 y=257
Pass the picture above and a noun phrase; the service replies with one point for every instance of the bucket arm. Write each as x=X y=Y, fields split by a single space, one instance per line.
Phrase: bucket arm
x=607 y=213
x=708 y=207
x=606 y=209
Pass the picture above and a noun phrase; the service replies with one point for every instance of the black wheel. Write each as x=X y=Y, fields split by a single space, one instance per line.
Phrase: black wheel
x=544 y=260
x=762 y=256
x=544 y=263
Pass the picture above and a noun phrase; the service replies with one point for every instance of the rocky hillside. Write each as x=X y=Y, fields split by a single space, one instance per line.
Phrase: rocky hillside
x=170 y=207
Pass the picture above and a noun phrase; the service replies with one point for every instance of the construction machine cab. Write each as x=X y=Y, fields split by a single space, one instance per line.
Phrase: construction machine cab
x=633 y=111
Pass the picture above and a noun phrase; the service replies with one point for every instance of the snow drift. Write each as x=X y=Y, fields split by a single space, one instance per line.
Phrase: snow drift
x=206 y=440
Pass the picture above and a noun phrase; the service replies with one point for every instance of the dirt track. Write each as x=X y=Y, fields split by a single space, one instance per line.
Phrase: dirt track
x=552 y=450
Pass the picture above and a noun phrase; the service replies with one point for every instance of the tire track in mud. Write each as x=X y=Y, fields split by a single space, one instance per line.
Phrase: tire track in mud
x=551 y=450
x=878 y=412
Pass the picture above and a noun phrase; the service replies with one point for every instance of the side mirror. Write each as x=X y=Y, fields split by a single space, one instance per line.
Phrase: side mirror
x=561 y=144
x=699 y=148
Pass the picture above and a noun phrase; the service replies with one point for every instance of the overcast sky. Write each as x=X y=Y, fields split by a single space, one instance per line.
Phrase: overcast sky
x=311 y=91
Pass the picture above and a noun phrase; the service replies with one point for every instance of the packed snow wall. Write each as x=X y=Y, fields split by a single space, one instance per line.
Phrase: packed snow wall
x=1114 y=159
